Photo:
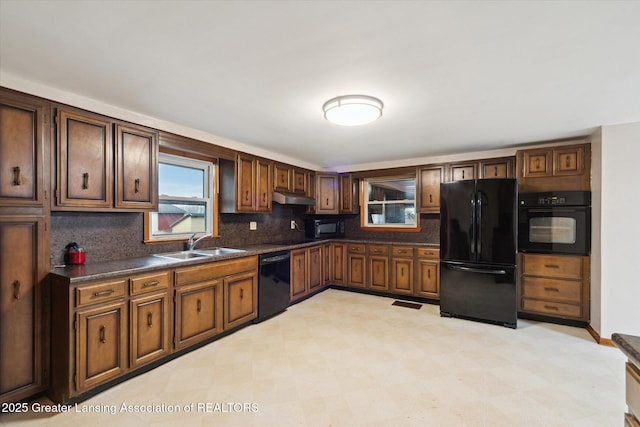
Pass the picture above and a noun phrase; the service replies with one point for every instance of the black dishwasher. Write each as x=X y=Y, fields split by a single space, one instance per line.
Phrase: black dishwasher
x=273 y=284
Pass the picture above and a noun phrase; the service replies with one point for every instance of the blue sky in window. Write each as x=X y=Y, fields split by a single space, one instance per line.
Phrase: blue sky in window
x=180 y=181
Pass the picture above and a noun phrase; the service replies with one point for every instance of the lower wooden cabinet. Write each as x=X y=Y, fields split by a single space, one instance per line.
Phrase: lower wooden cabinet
x=555 y=285
x=338 y=256
x=307 y=271
x=198 y=312
x=378 y=261
x=357 y=265
x=427 y=284
x=298 y=287
x=241 y=299
x=402 y=270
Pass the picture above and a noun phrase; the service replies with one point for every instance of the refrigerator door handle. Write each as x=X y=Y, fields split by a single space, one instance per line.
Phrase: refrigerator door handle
x=479 y=224
x=477 y=270
x=473 y=226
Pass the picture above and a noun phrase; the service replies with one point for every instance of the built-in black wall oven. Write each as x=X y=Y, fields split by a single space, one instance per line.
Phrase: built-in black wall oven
x=557 y=222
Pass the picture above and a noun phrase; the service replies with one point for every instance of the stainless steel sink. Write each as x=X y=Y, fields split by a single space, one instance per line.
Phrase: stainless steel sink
x=200 y=253
x=182 y=255
x=219 y=251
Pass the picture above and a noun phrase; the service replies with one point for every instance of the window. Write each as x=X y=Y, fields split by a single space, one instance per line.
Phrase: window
x=390 y=203
x=185 y=199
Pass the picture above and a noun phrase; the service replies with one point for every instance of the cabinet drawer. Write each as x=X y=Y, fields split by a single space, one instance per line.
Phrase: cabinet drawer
x=633 y=389
x=356 y=248
x=149 y=282
x=552 y=289
x=215 y=269
x=551 y=308
x=100 y=292
x=402 y=251
x=378 y=250
x=567 y=267
x=428 y=253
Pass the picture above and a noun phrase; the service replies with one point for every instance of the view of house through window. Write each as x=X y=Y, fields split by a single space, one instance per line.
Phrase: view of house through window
x=390 y=202
x=185 y=202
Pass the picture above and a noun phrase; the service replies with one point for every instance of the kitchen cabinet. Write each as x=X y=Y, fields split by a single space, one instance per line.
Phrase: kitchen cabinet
x=24 y=336
x=299 y=181
x=348 y=194
x=245 y=185
x=429 y=179
x=427 y=273
x=311 y=192
x=338 y=267
x=402 y=270
x=240 y=299
x=378 y=262
x=289 y=179
x=327 y=188
x=136 y=167
x=87 y=173
x=326 y=264
x=555 y=286
x=150 y=311
x=554 y=168
x=307 y=271
x=462 y=171
x=502 y=167
x=24 y=122
x=356 y=265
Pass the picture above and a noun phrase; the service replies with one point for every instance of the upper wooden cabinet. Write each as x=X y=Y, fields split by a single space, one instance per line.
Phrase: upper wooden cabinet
x=348 y=194
x=555 y=168
x=503 y=167
x=327 y=190
x=299 y=179
x=85 y=164
x=23 y=133
x=429 y=179
x=289 y=179
x=245 y=185
x=462 y=171
x=136 y=160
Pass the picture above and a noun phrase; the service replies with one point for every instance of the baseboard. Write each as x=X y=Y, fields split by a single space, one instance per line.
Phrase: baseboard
x=596 y=336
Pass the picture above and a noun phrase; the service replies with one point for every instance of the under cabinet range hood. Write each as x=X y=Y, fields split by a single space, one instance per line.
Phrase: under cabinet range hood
x=292 y=199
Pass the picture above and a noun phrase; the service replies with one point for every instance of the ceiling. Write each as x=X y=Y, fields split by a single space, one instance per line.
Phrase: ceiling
x=455 y=77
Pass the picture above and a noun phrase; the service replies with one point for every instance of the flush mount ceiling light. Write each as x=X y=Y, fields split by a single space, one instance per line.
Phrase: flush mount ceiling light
x=352 y=110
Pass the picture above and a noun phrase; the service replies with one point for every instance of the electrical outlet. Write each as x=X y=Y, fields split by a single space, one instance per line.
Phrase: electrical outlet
x=253 y=225
x=293 y=225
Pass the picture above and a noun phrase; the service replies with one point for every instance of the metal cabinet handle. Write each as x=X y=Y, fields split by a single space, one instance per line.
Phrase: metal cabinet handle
x=103 y=293
x=150 y=319
x=462 y=173
x=495 y=171
x=103 y=335
x=16 y=175
x=430 y=198
x=16 y=289
x=402 y=271
x=137 y=185
x=551 y=307
x=552 y=289
x=241 y=293
x=327 y=203
x=567 y=161
x=537 y=163
x=264 y=197
x=428 y=274
x=246 y=197
x=85 y=180
x=150 y=284
x=199 y=306
x=551 y=266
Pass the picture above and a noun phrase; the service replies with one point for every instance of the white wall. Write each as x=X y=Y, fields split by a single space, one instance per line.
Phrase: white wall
x=620 y=230
x=596 y=239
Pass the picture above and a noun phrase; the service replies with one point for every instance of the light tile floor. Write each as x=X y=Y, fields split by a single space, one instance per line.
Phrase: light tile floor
x=348 y=359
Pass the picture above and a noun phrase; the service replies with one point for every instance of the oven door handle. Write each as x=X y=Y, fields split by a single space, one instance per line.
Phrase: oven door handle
x=554 y=210
x=477 y=270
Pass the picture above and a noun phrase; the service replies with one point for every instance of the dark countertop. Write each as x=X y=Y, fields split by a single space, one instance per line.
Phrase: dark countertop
x=630 y=346
x=77 y=274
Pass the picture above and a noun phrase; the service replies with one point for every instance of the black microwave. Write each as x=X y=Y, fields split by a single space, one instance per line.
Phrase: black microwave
x=324 y=228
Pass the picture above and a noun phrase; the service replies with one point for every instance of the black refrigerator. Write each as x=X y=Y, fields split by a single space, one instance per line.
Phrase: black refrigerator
x=478 y=250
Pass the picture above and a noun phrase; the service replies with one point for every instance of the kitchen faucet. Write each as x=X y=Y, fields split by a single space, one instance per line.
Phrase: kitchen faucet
x=191 y=244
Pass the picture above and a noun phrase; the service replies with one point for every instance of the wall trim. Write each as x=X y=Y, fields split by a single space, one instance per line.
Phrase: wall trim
x=596 y=336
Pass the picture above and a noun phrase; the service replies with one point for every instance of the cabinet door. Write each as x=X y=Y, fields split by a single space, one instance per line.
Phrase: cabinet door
x=311 y=192
x=101 y=344
x=136 y=168
x=85 y=161
x=263 y=185
x=338 y=265
x=327 y=194
x=357 y=267
x=21 y=336
x=379 y=272
x=428 y=279
x=246 y=184
x=299 y=181
x=315 y=268
x=497 y=168
x=282 y=176
x=198 y=312
x=568 y=160
x=347 y=194
x=429 y=179
x=298 y=274
x=537 y=163
x=326 y=264
x=149 y=328
x=241 y=299
x=462 y=171
x=402 y=275
x=22 y=135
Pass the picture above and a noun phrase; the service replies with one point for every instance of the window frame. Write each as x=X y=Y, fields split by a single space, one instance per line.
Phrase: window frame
x=211 y=187
x=364 y=206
